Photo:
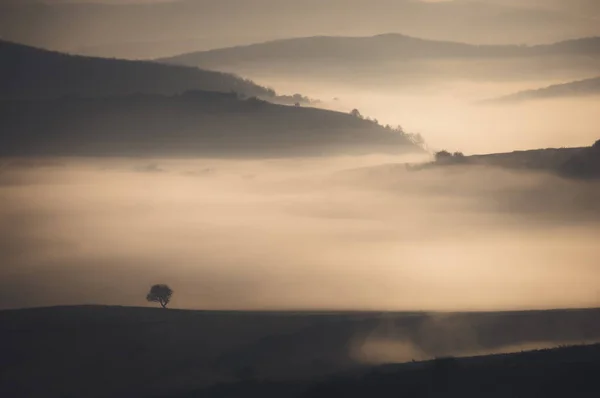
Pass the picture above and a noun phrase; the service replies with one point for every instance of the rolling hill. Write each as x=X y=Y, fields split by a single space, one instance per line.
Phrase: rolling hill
x=560 y=372
x=196 y=123
x=386 y=47
x=28 y=73
x=400 y=58
x=94 y=351
x=576 y=163
x=586 y=87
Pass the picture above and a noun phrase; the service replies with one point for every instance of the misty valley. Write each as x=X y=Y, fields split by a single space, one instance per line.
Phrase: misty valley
x=269 y=198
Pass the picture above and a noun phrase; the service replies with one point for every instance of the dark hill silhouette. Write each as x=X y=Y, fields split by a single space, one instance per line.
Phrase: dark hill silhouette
x=374 y=49
x=586 y=87
x=553 y=373
x=559 y=372
x=576 y=163
x=126 y=352
x=191 y=124
x=583 y=164
x=28 y=72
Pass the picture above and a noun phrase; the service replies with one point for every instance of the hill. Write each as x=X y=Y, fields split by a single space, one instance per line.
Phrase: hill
x=560 y=372
x=155 y=29
x=196 y=123
x=386 y=47
x=577 y=163
x=586 y=87
x=28 y=72
x=123 y=352
x=394 y=58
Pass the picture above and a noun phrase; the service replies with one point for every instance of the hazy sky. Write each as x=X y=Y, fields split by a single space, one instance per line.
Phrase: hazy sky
x=136 y=30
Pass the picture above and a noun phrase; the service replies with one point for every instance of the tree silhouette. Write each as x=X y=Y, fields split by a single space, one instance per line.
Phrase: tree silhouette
x=356 y=113
x=160 y=294
x=443 y=156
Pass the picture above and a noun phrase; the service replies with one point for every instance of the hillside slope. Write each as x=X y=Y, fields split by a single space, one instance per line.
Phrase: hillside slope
x=586 y=87
x=396 y=59
x=124 y=352
x=560 y=372
x=196 y=123
x=575 y=163
x=28 y=72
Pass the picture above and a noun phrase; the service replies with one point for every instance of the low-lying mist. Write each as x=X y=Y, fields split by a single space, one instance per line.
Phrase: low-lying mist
x=450 y=114
x=327 y=233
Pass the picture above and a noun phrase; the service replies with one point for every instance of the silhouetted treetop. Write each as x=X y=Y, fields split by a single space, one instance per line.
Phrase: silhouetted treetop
x=356 y=113
x=442 y=156
x=445 y=157
x=160 y=294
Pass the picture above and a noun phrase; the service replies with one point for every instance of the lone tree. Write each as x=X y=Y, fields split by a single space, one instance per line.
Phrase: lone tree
x=160 y=294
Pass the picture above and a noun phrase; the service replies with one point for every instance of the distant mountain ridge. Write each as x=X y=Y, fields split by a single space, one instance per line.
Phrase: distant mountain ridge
x=385 y=47
x=164 y=28
x=585 y=87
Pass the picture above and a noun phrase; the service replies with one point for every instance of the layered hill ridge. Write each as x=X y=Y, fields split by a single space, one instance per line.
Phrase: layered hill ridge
x=399 y=60
x=152 y=29
x=392 y=46
x=585 y=87
x=29 y=72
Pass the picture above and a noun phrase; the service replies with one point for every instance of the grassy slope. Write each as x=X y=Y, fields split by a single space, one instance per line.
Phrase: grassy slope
x=561 y=372
x=579 y=163
x=187 y=125
x=120 y=351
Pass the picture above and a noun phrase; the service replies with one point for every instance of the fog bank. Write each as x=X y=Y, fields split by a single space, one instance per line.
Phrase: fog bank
x=294 y=234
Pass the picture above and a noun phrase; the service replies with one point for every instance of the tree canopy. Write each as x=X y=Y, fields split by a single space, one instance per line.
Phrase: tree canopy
x=160 y=294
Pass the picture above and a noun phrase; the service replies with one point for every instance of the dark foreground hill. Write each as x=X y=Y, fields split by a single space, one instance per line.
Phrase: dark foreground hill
x=144 y=352
x=197 y=123
x=562 y=372
x=28 y=72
